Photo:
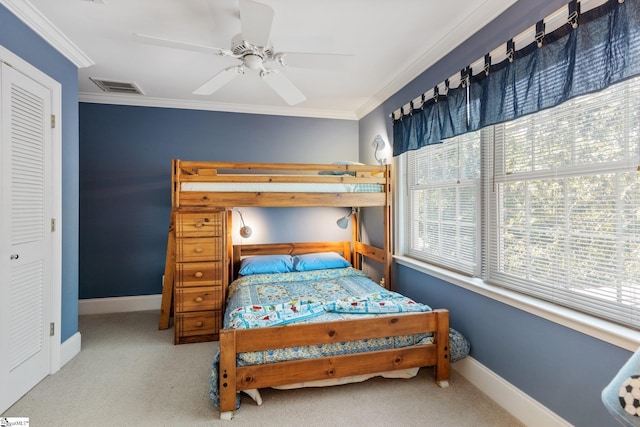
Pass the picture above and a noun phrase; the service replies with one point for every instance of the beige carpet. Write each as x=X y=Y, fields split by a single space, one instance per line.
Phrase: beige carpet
x=130 y=374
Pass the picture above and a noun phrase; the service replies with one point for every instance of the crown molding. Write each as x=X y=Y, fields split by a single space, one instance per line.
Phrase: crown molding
x=486 y=12
x=32 y=17
x=145 y=101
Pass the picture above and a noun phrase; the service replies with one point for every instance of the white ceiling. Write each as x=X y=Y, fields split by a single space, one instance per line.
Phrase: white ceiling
x=392 y=42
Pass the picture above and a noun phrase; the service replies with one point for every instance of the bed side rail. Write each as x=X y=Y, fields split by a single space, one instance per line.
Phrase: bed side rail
x=213 y=169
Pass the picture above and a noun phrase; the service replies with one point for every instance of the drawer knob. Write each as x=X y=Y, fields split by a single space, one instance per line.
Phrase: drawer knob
x=198 y=250
x=199 y=325
x=199 y=224
x=198 y=274
x=199 y=299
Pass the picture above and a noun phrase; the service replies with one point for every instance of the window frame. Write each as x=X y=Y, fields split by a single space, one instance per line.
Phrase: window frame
x=609 y=331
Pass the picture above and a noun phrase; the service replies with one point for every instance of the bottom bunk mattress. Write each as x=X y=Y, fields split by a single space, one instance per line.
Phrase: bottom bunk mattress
x=263 y=300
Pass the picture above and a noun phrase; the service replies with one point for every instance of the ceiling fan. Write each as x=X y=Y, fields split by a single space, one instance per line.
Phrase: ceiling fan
x=253 y=48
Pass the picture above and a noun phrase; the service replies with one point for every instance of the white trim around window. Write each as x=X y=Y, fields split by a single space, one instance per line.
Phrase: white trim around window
x=612 y=333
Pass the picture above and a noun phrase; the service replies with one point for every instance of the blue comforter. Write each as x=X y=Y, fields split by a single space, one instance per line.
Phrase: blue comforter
x=315 y=296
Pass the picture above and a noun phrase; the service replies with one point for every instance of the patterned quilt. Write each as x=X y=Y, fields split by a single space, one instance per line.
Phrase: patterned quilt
x=316 y=296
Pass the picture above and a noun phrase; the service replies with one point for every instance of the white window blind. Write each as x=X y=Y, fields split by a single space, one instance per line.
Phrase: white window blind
x=444 y=203
x=563 y=210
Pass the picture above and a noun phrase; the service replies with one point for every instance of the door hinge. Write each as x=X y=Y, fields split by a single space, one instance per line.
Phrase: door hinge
x=53 y=121
x=53 y=225
x=52 y=329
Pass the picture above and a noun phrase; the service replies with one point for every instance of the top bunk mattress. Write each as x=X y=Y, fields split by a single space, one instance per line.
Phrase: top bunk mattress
x=280 y=187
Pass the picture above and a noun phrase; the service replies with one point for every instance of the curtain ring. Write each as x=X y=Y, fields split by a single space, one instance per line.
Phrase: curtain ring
x=464 y=76
x=574 y=13
x=511 y=49
x=539 y=33
x=573 y=20
x=436 y=93
x=487 y=64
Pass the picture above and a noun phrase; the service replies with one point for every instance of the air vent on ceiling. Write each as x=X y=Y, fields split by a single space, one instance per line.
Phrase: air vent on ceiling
x=111 y=86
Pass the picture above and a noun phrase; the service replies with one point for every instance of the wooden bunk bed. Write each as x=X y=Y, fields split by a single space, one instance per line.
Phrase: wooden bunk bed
x=203 y=187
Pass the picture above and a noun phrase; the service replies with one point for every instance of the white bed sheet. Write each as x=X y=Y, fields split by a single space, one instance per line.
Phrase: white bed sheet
x=281 y=187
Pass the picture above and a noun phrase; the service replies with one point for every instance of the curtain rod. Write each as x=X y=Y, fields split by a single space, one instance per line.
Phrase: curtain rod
x=536 y=32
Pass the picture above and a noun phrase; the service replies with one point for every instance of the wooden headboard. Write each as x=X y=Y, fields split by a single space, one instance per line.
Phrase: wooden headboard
x=239 y=251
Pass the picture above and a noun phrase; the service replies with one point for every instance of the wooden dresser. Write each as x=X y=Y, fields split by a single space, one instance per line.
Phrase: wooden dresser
x=200 y=274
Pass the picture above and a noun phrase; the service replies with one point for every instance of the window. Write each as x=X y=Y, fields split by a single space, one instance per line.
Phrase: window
x=444 y=188
x=561 y=197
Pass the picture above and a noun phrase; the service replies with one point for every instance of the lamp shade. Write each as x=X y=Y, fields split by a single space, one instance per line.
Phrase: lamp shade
x=343 y=222
x=245 y=231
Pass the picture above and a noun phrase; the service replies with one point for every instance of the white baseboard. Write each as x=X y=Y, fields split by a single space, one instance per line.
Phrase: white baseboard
x=119 y=304
x=519 y=404
x=70 y=348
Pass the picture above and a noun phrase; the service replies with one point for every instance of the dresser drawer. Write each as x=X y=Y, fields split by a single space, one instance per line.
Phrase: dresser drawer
x=198 y=298
x=199 y=249
x=199 y=274
x=198 y=323
x=199 y=224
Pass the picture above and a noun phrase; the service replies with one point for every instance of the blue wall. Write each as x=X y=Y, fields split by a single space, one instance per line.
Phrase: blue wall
x=22 y=41
x=563 y=369
x=124 y=176
x=125 y=180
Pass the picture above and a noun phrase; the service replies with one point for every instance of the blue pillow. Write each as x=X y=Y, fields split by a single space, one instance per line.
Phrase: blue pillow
x=319 y=261
x=263 y=264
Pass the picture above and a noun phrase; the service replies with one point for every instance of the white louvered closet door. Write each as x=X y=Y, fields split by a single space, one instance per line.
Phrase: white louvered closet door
x=25 y=234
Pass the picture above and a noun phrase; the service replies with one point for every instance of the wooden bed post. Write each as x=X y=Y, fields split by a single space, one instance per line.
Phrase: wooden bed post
x=230 y=260
x=227 y=373
x=169 y=276
x=355 y=237
x=442 y=341
x=388 y=230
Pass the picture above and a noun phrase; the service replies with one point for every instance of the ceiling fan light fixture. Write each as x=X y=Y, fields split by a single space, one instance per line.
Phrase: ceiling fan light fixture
x=253 y=61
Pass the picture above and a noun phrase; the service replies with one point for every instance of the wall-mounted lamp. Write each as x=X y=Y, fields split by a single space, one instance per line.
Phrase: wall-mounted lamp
x=245 y=230
x=379 y=145
x=344 y=221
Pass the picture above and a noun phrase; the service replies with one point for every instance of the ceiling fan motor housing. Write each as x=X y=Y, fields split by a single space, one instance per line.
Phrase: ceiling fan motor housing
x=253 y=56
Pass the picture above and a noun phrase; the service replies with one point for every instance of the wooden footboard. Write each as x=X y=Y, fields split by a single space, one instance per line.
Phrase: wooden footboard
x=233 y=341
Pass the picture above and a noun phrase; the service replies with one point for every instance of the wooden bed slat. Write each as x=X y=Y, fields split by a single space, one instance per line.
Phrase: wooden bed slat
x=369 y=251
x=324 y=179
x=194 y=166
x=276 y=199
x=332 y=332
x=271 y=375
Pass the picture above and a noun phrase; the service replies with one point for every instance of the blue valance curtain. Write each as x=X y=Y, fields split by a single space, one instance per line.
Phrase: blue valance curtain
x=602 y=49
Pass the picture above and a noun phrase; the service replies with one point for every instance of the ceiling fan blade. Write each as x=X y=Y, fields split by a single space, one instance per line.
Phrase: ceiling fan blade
x=159 y=41
x=283 y=87
x=219 y=80
x=256 y=19
x=322 y=61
